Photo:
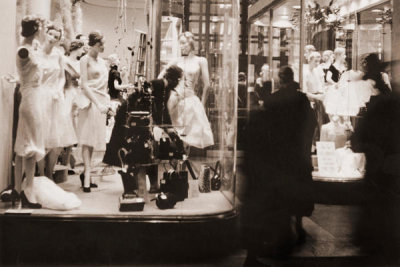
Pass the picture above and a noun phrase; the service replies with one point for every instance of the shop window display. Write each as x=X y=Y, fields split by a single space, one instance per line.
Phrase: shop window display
x=348 y=31
x=176 y=131
x=325 y=43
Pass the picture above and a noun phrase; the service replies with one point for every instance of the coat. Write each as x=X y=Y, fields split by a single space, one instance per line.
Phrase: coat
x=278 y=167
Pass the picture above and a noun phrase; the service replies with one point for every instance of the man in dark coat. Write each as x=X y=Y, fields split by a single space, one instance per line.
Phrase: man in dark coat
x=278 y=170
x=378 y=136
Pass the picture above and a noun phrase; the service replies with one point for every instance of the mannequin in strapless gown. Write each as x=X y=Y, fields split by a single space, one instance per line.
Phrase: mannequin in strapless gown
x=185 y=108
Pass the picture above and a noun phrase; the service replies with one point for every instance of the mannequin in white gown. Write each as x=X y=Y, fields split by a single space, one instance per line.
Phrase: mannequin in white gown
x=185 y=108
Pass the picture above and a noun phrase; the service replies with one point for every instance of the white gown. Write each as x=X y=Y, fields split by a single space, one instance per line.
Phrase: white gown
x=58 y=130
x=351 y=95
x=50 y=195
x=186 y=110
x=30 y=140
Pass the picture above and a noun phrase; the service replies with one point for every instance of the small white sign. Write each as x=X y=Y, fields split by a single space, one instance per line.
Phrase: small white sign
x=326 y=158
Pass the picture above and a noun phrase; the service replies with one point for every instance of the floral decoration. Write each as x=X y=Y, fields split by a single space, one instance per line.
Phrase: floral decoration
x=324 y=16
x=385 y=16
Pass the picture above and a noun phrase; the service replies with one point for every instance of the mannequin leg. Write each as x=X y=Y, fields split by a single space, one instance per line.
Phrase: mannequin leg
x=41 y=166
x=87 y=153
x=51 y=161
x=29 y=165
x=18 y=173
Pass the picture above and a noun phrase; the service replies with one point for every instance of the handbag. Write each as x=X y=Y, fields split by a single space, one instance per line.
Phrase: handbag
x=175 y=183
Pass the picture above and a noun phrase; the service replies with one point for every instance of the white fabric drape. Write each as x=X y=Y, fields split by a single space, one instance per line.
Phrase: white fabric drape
x=170 y=42
x=6 y=115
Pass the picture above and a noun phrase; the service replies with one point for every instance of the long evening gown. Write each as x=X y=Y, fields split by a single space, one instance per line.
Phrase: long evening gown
x=30 y=140
x=186 y=110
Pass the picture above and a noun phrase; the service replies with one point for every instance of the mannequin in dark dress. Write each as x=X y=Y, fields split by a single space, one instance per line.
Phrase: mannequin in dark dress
x=115 y=86
x=338 y=67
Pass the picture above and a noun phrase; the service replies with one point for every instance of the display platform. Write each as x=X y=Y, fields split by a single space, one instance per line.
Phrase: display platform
x=207 y=222
x=104 y=202
x=321 y=177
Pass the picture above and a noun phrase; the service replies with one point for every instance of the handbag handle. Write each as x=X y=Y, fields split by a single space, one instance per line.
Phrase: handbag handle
x=189 y=166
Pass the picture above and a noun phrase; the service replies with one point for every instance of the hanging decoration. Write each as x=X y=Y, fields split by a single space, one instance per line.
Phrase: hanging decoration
x=327 y=16
x=385 y=16
x=121 y=25
x=77 y=16
x=66 y=7
x=295 y=19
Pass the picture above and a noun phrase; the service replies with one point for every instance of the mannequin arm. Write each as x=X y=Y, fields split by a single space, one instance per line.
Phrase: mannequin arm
x=121 y=86
x=206 y=79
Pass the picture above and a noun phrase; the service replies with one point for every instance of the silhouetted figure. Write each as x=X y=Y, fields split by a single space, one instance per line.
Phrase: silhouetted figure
x=378 y=136
x=263 y=87
x=373 y=70
x=278 y=171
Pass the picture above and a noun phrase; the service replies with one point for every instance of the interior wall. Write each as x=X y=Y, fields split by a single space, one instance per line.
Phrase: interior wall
x=7 y=65
x=104 y=19
x=7 y=32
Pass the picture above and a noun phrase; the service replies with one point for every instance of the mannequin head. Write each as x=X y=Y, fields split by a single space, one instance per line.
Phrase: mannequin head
x=265 y=73
x=340 y=54
x=84 y=39
x=327 y=56
x=173 y=75
x=32 y=26
x=314 y=59
x=96 y=41
x=308 y=49
x=53 y=34
x=76 y=49
x=186 y=42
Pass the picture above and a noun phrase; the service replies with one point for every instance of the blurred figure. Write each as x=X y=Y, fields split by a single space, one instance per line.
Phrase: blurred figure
x=242 y=90
x=373 y=71
x=264 y=85
x=378 y=136
x=278 y=172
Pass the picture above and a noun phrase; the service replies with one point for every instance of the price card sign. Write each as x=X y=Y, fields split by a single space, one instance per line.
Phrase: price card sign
x=326 y=158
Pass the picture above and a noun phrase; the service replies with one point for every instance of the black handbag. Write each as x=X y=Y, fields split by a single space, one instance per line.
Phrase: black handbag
x=175 y=183
x=165 y=201
x=216 y=179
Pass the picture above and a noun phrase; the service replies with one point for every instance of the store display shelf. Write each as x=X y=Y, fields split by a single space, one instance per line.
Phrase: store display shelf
x=102 y=204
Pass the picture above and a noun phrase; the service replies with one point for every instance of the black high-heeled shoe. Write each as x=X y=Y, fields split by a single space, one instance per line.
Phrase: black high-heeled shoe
x=26 y=204
x=9 y=195
x=86 y=189
x=82 y=177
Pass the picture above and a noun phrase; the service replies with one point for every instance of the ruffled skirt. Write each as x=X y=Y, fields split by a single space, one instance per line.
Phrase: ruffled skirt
x=190 y=120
